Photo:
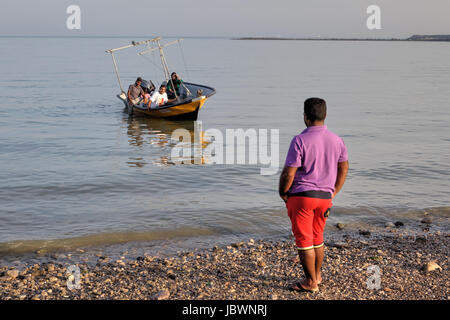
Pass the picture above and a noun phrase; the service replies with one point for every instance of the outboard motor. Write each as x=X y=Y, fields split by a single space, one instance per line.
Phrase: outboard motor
x=148 y=85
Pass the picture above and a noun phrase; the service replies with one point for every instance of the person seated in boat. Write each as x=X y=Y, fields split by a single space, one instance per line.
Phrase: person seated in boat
x=159 y=98
x=147 y=95
x=177 y=82
x=135 y=92
x=148 y=84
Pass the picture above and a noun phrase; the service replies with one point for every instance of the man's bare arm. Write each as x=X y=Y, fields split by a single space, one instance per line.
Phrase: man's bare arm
x=286 y=178
x=341 y=175
x=129 y=95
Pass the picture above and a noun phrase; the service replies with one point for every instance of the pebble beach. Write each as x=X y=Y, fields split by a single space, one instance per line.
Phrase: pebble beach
x=410 y=267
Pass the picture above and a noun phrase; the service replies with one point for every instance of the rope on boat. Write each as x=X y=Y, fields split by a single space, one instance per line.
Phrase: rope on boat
x=184 y=60
x=155 y=66
x=188 y=92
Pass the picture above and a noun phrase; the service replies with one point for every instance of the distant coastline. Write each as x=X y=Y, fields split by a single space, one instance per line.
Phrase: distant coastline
x=430 y=38
x=412 y=38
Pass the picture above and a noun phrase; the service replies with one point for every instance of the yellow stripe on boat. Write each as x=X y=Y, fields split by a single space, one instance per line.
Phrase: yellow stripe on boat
x=173 y=111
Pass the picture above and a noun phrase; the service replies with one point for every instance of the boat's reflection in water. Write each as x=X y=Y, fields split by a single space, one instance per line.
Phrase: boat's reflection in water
x=154 y=136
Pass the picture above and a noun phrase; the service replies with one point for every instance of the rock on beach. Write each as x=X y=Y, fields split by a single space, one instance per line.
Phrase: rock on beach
x=431 y=266
x=162 y=295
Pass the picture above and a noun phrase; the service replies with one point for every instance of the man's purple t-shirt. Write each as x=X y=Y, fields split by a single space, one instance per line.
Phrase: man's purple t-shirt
x=316 y=153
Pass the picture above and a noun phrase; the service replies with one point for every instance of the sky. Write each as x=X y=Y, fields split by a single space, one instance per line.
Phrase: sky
x=225 y=18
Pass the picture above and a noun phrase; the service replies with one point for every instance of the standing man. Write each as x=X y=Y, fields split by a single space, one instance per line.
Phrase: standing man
x=315 y=170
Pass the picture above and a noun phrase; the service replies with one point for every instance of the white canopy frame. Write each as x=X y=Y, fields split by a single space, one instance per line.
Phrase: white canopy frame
x=148 y=43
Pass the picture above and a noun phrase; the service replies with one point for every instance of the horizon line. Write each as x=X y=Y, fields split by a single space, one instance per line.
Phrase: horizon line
x=360 y=38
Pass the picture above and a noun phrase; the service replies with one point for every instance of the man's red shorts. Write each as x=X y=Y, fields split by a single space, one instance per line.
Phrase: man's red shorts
x=308 y=220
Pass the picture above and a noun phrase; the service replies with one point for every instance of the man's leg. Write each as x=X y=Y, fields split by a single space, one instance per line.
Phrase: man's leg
x=318 y=228
x=301 y=214
x=308 y=260
x=318 y=263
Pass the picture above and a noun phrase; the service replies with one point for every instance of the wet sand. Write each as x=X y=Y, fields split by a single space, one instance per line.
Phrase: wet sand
x=411 y=266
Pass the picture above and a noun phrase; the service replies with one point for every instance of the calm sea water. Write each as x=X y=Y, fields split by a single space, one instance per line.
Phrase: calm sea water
x=74 y=168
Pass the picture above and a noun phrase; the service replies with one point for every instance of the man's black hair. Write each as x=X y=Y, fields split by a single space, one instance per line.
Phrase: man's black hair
x=139 y=79
x=315 y=109
x=162 y=86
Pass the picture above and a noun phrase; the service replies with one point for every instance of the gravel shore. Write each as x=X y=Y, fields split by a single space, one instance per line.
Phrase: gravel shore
x=412 y=267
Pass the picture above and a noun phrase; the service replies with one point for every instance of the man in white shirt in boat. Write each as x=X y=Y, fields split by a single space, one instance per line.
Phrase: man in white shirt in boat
x=159 y=98
x=135 y=91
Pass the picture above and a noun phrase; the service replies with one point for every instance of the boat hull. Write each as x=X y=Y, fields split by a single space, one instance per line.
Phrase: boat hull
x=183 y=111
x=187 y=109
